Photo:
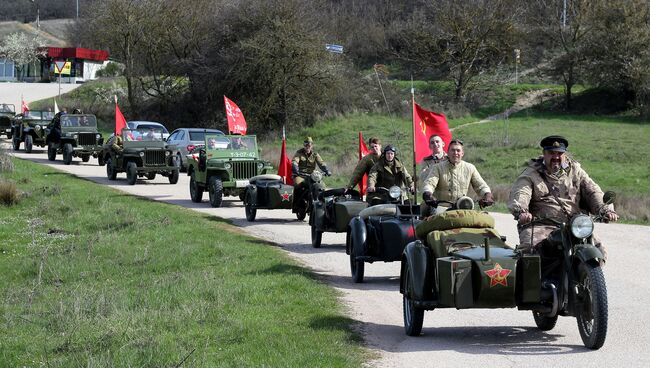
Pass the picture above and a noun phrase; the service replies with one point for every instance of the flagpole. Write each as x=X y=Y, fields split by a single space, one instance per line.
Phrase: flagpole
x=415 y=173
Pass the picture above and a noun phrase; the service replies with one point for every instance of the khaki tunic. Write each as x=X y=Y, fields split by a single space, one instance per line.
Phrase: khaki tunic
x=576 y=193
x=448 y=182
x=117 y=144
x=386 y=174
x=306 y=163
x=363 y=167
x=427 y=164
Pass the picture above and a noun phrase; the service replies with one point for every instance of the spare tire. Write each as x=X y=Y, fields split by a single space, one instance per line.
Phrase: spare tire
x=454 y=219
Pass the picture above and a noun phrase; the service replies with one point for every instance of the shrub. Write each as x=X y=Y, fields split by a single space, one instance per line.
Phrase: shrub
x=6 y=165
x=9 y=194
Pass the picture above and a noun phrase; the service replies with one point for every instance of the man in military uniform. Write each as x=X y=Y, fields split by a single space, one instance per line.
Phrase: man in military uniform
x=388 y=171
x=117 y=143
x=438 y=154
x=554 y=185
x=450 y=179
x=366 y=163
x=304 y=162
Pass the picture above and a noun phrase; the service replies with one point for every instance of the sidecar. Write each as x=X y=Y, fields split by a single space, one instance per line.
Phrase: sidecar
x=380 y=233
x=266 y=192
x=462 y=262
x=332 y=211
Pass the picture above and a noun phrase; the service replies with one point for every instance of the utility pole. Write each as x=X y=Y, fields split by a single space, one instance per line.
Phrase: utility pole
x=564 y=15
x=77 y=9
x=38 y=14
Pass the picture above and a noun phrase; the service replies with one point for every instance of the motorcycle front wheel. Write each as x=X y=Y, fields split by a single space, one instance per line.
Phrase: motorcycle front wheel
x=591 y=308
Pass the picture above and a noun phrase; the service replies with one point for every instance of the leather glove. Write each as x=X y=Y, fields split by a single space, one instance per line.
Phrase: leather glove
x=327 y=172
x=294 y=169
x=429 y=199
x=487 y=200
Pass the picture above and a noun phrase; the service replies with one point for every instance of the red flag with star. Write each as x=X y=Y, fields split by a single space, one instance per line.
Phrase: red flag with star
x=363 y=151
x=498 y=275
x=236 y=121
x=425 y=124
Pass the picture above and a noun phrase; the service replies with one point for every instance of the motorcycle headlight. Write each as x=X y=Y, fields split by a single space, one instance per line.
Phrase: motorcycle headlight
x=582 y=226
x=260 y=165
x=316 y=176
x=394 y=192
x=37 y=127
x=141 y=154
x=227 y=165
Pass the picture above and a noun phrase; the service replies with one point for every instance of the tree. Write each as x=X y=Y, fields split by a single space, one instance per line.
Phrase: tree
x=22 y=50
x=461 y=38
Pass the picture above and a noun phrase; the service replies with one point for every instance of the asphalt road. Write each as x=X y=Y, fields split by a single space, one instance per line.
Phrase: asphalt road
x=451 y=338
x=11 y=93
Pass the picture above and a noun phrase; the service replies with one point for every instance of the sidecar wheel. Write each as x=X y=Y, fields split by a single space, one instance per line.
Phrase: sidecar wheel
x=544 y=323
x=591 y=308
x=413 y=316
x=316 y=236
x=67 y=153
x=250 y=212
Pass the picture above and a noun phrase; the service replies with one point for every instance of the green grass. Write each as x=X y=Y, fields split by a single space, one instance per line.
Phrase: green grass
x=95 y=278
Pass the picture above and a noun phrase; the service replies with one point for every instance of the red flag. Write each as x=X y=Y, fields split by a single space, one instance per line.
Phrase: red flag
x=24 y=108
x=284 y=168
x=363 y=151
x=236 y=121
x=120 y=122
x=425 y=124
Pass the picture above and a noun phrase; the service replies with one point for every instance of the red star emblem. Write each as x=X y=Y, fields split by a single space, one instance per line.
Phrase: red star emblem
x=498 y=275
x=285 y=196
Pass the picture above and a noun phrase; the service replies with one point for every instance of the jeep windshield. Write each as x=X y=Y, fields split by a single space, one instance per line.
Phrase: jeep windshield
x=230 y=146
x=38 y=115
x=7 y=108
x=78 y=121
x=143 y=134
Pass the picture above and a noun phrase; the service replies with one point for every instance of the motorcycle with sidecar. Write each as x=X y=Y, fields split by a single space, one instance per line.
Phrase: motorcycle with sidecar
x=460 y=261
x=332 y=211
x=303 y=200
x=266 y=192
x=380 y=232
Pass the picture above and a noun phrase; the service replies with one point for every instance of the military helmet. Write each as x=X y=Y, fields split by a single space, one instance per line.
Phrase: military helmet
x=390 y=147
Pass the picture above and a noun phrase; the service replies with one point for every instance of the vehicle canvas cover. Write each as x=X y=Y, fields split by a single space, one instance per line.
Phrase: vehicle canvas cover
x=345 y=210
x=454 y=219
x=274 y=193
x=142 y=138
x=7 y=113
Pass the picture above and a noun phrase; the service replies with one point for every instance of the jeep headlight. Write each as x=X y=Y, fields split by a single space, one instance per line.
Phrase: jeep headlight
x=260 y=165
x=37 y=127
x=141 y=154
x=75 y=137
x=227 y=165
x=97 y=136
x=167 y=153
x=316 y=176
x=582 y=226
x=394 y=192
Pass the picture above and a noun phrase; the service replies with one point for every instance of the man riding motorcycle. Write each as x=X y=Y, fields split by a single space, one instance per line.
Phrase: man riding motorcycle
x=387 y=172
x=304 y=163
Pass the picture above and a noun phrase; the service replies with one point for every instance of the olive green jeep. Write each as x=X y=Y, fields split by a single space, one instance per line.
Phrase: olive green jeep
x=7 y=114
x=223 y=167
x=140 y=153
x=79 y=137
x=29 y=127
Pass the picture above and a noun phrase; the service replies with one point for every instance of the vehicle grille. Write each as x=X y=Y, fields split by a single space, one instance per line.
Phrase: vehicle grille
x=244 y=170
x=154 y=158
x=87 y=139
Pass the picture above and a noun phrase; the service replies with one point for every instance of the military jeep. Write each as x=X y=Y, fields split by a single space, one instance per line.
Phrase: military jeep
x=141 y=153
x=7 y=114
x=29 y=127
x=223 y=167
x=79 y=138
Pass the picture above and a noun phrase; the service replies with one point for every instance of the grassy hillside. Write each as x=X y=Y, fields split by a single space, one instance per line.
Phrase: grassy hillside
x=53 y=32
x=92 y=277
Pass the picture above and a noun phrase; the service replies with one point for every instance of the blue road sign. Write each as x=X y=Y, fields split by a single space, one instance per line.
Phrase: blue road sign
x=334 y=48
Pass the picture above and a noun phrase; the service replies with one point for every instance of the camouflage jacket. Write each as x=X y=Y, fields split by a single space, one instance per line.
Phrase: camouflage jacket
x=535 y=191
x=117 y=144
x=385 y=174
x=363 y=167
x=448 y=182
x=306 y=163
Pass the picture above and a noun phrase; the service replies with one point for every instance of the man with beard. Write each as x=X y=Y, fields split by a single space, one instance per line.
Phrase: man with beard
x=388 y=171
x=366 y=163
x=450 y=179
x=554 y=185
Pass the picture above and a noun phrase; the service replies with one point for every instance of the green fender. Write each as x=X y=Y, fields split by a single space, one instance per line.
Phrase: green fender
x=318 y=217
x=419 y=259
x=588 y=252
x=251 y=195
x=357 y=237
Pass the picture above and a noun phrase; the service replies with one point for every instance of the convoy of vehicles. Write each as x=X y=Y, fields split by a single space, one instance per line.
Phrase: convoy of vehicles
x=29 y=128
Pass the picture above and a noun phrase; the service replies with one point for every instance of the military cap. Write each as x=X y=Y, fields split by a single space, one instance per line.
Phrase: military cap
x=391 y=148
x=554 y=143
x=308 y=140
